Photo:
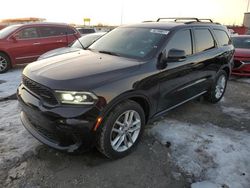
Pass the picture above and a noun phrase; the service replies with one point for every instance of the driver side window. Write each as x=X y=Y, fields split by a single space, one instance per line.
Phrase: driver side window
x=182 y=41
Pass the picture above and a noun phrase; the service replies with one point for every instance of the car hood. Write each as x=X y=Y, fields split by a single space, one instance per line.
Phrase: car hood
x=58 y=51
x=242 y=53
x=80 y=70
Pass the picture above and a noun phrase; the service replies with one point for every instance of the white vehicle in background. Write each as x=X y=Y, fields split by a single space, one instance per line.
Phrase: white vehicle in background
x=85 y=31
x=80 y=44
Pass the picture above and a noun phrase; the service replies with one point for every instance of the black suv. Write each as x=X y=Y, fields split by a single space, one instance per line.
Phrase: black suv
x=104 y=96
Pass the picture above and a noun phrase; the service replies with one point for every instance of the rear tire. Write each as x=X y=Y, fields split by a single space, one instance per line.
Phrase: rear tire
x=5 y=63
x=121 y=130
x=218 y=88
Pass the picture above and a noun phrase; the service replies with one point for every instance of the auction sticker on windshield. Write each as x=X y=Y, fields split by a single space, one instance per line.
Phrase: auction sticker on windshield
x=159 y=31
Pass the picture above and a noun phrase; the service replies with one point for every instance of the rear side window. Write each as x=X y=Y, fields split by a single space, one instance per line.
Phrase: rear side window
x=52 y=31
x=203 y=40
x=222 y=37
x=27 y=33
x=70 y=31
x=182 y=41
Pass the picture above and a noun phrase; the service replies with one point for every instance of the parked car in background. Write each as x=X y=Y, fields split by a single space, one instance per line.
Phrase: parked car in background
x=104 y=96
x=80 y=44
x=242 y=55
x=26 y=42
x=85 y=31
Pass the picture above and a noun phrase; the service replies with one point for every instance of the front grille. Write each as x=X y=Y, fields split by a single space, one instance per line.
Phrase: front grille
x=45 y=93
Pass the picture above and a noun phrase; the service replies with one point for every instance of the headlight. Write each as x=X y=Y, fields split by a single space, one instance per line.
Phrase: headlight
x=75 y=97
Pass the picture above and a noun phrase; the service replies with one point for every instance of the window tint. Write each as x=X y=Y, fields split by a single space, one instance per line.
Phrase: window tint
x=86 y=31
x=181 y=41
x=70 y=31
x=27 y=33
x=241 y=42
x=61 y=30
x=52 y=31
x=222 y=37
x=204 y=40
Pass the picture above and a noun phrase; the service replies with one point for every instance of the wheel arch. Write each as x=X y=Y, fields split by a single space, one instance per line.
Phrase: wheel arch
x=139 y=98
x=143 y=103
x=5 y=53
x=227 y=70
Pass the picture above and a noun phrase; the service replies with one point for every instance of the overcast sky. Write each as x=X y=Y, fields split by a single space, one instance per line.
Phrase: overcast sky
x=111 y=11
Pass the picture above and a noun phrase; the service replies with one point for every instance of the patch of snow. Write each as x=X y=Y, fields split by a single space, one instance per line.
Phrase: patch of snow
x=15 y=141
x=9 y=82
x=207 y=152
x=236 y=113
x=243 y=80
x=223 y=100
x=204 y=184
x=16 y=172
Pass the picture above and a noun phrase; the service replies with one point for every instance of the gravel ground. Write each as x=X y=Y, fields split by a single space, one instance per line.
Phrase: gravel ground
x=26 y=163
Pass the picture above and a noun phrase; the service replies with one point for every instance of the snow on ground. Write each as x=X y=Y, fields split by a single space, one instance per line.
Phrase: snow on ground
x=214 y=156
x=241 y=79
x=9 y=82
x=236 y=113
x=245 y=80
x=15 y=141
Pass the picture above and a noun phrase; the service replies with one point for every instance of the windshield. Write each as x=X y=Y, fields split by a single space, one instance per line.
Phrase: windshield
x=241 y=42
x=7 y=30
x=86 y=41
x=136 y=43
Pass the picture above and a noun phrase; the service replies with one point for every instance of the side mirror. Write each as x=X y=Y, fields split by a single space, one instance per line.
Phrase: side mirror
x=175 y=55
x=171 y=56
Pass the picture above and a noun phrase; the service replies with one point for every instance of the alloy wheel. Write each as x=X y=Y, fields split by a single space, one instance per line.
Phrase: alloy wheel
x=220 y=86
x=3 y=63
x=125 y=130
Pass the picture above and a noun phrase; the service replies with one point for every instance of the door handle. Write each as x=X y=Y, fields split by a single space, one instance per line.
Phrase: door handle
x=59 y=41
x=36 y=43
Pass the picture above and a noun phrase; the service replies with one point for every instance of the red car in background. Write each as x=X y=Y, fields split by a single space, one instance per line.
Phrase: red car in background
x=242 y=55
x=25 y=43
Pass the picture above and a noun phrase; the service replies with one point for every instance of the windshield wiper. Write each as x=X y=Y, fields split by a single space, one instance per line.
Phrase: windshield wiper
x=110 y=53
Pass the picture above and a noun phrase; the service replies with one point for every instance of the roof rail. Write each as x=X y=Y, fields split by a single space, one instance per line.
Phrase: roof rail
x=147 y=21
x=175 y=19
x=186 y=20
x=206 y=20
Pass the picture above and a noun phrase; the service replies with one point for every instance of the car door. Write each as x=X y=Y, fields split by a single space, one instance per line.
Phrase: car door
x=26 y=44
x=53 y=37
x=179 y=79
x=207 y=58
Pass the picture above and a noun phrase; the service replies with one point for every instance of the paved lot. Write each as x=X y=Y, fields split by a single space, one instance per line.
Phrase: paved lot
x=153 y=164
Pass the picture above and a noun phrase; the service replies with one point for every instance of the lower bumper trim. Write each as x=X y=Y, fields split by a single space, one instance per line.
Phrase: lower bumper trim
x=27 y=124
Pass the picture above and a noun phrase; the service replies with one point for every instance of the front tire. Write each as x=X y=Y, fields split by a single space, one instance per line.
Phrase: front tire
x=121 y=130
x=4 y=63
x=218 y=88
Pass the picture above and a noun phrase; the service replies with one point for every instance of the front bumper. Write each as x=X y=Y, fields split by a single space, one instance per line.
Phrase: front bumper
x=63 y=127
